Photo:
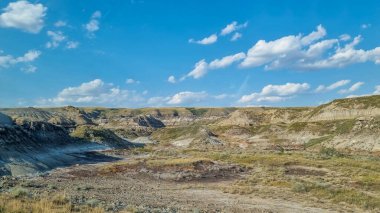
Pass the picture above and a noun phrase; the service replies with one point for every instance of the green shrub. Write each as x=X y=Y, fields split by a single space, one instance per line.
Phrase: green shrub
x=19 y=192
x=329 y=153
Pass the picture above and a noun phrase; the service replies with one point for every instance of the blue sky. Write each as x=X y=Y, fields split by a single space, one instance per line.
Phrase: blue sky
x=141 y=53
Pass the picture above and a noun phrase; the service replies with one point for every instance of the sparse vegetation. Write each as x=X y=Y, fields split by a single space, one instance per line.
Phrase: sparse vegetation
x=265 y=153
x=34 y=205
x=315 y=141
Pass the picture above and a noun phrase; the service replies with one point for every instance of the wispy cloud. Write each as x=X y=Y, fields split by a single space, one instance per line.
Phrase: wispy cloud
x=60 y=23
x=172 y=79
x=93 y=25
x=333 y=86
x=201 y=68
x=9 y=60
x=132 y=81
x=205 y=41
x=234 y=26
x=236 y=36
x=353 y=88
x=187 y=98
x=56 y=38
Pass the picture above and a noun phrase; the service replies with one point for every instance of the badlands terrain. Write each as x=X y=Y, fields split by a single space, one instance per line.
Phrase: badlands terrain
x=261 y=159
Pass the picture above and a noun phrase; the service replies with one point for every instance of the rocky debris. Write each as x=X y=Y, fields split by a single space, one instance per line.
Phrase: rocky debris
x=201 y=170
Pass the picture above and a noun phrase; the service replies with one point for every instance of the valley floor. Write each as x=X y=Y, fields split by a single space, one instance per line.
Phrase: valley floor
x=167 y=180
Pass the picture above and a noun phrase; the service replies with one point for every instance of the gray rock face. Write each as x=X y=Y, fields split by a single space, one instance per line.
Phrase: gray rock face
x=148 y=121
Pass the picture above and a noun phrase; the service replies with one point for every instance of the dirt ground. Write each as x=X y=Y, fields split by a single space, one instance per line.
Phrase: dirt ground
x=134 y=185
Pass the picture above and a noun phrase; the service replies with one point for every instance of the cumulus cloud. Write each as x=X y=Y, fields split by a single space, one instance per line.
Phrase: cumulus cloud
x=201 y=68
x=8 y=60
x=308 y=52
x=172 y=79
x=353 y=88
x=23 y=15
x=92 y=93
x=333 y=86
x=93 y=25
x=205 y=41
x=234 y=26
x=187 y=98
x=275 y=93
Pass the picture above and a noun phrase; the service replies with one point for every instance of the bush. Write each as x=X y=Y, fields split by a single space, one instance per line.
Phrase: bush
x=300 y=187
x=19 y=192
x=329 y=152
x=93 y=202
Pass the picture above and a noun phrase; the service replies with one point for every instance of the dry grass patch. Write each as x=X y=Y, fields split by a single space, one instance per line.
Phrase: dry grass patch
x=57 y=204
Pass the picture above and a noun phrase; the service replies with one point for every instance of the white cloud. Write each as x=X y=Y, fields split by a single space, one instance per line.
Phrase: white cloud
x=314 y=36
x=56 y=38
x=60 y=23
x=285 y=89
x=323 y=88
x=131 y=81
x=226 y=61
x=234 y=26
x=201 y=68
x=8 y=60
x=72 y=44
x=187 y=98
x=24 y=16
x=353 y=88
x=205 y=41
x=308 y=52
x=158 y=101
x=344 y=37
x=365 y=26
x=93 y=25
x=236 y=36
x=172 y=79
x=377 y=90
x=275 y=93
x=29 y=69
x=92 y=93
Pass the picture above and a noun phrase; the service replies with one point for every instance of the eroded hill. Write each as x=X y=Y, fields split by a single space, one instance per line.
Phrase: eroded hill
x=345 y=124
